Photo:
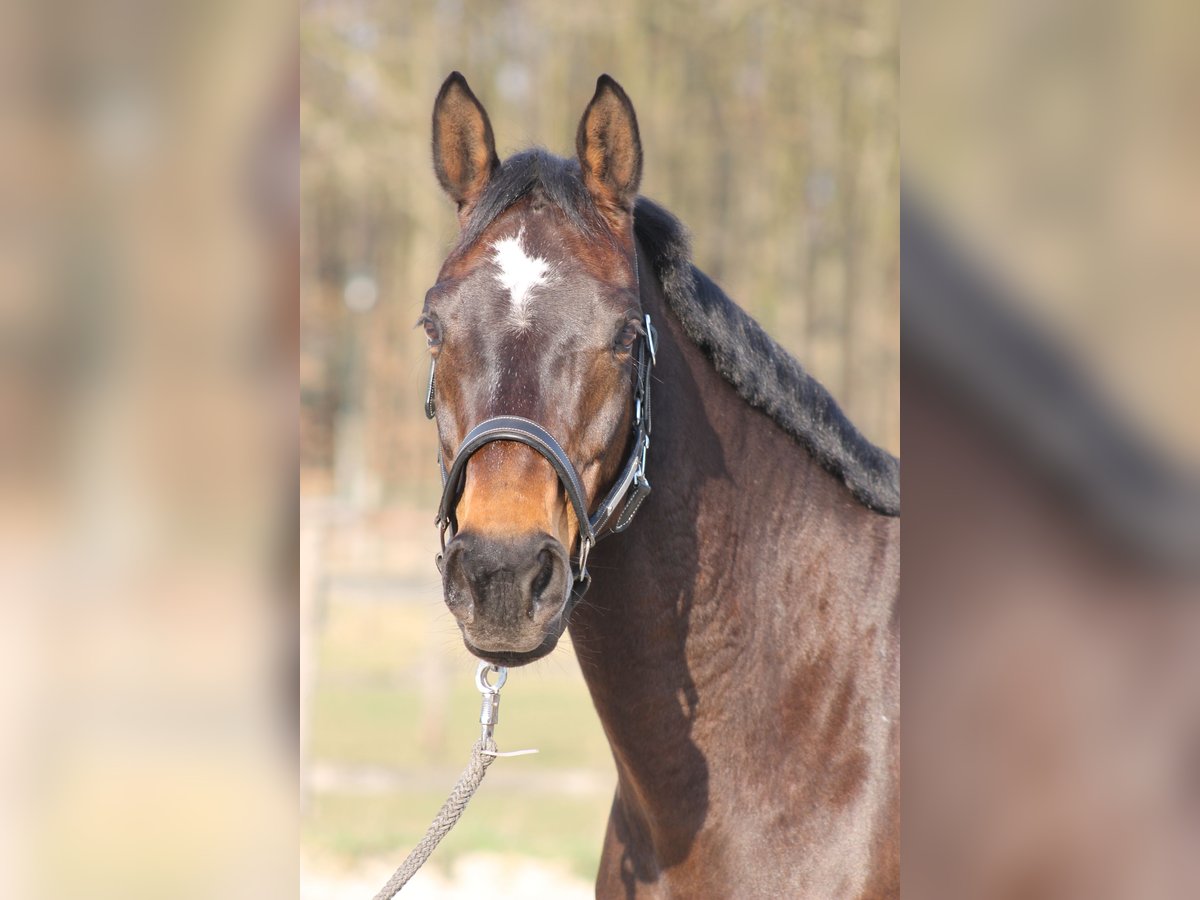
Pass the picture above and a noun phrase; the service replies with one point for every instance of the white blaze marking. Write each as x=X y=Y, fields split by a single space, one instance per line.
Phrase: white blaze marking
x=520 y=273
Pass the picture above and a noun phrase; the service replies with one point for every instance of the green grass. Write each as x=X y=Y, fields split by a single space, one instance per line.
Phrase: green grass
x=395 y=690
x=390 y=726
x=374 y=640
x=539 y=824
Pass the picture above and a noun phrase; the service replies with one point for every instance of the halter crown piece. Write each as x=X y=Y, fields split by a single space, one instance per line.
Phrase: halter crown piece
x=620 y=504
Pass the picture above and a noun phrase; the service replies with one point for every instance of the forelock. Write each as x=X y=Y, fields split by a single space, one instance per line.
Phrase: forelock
x=534 y=172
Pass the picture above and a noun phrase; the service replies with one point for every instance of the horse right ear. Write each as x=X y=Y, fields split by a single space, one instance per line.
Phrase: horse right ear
x=610 y=151
x=464 y=149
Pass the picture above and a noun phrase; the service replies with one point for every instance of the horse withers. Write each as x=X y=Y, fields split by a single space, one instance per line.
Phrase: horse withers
x=739 y=640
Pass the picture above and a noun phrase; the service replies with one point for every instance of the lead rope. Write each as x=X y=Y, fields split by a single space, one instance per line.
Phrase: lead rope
x=483 y=754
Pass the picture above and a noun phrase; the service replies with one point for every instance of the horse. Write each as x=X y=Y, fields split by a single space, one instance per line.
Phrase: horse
x=740 y=641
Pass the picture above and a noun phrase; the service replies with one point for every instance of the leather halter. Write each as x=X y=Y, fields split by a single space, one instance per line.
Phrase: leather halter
x=614 y=513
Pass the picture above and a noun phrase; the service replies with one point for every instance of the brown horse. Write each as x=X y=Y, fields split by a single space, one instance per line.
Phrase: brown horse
x=740 y=640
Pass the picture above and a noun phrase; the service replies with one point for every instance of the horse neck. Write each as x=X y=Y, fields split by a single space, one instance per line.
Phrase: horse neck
x=701 y=607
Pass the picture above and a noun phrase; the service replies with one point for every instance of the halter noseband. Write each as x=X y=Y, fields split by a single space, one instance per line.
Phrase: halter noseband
x=620 y=504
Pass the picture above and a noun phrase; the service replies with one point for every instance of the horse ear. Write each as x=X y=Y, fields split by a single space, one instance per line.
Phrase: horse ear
x=610 y=151
x=464 y=149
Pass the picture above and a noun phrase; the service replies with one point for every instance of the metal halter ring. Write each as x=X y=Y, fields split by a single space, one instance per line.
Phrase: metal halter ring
x=481 y=681
x=585 y=546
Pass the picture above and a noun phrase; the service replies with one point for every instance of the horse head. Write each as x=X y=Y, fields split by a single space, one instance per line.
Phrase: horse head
x=533 y=323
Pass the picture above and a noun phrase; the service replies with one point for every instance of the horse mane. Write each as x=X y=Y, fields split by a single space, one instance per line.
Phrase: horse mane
x=764 y=374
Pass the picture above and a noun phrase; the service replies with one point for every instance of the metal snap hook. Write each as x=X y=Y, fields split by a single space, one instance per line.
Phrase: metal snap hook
x=489 y=711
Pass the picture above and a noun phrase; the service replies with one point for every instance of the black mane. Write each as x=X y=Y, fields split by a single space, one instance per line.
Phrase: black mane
x=761 y=371
x=764 y=374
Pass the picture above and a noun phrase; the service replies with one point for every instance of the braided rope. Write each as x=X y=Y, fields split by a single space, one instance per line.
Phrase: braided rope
x=446 y=818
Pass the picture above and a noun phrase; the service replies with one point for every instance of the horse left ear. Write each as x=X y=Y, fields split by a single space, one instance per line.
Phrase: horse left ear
x=464 y=148
x=610 y=151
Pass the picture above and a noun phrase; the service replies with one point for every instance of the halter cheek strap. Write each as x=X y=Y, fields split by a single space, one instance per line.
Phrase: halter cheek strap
x=614 y=513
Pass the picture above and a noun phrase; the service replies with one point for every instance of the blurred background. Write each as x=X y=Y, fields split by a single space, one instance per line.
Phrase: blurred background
x=148 y=176
x=770 y=130
x=1051 y=561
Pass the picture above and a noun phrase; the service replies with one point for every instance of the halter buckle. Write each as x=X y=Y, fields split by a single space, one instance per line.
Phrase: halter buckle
x=651 y=340
x=585 y=546
x=430 y=400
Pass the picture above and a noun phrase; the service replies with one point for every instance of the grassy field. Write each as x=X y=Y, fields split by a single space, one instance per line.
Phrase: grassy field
x=394 y=712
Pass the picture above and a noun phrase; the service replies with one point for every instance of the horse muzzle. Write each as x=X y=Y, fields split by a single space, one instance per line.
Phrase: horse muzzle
x=507 y=594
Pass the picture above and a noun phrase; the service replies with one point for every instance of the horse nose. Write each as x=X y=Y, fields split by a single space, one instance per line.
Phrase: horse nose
x=505 y=581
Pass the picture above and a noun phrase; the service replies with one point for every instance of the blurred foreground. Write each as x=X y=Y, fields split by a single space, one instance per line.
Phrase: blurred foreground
x=147 y=450
x=1051 y=562
x=1051 y=606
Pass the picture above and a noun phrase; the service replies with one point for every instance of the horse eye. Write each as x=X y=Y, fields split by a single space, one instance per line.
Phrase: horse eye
x=628 y=335
x=433 y=334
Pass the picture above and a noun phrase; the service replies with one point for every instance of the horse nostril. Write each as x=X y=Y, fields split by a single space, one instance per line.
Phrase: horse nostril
x=504 y=582
x=545 y=572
